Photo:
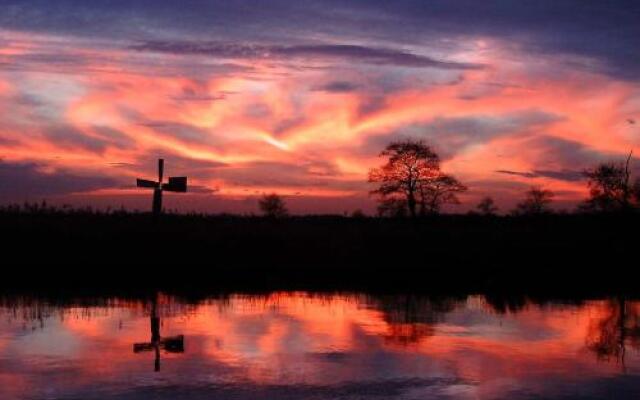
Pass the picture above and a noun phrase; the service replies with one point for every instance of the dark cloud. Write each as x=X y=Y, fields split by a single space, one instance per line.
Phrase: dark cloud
x=383 y=56
x=80 y=56
x=561 y=175
x=67 y=60
x=257 y=110
x=199 y=189
x=496 y=186
x=59 y=61
x=347 y=52
x=371 y=104
x=182 y=132
x=337 y=87
x=266 y=174
x=6 y=142
x=603 y=33
x=26 y=181
x=571 y=154
x=319 y=167
x=175 y=165
x=96 y=139
x=517 y=173
x=282 y=126
x=452 y=135
x=198 y=91
x=68 y=136
x=564 y=160
x=114 y=137
x=304 y=174
x=27 y=99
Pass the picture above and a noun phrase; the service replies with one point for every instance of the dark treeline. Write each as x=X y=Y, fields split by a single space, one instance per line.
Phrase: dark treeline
x=467 y=253
x=411 y=183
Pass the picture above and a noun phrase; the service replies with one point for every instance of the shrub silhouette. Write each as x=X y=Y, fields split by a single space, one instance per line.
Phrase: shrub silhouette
x=273 y=206
x=487 y=206
x=536 y=202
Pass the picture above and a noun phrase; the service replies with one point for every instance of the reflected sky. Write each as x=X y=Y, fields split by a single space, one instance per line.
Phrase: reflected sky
x=299 y=345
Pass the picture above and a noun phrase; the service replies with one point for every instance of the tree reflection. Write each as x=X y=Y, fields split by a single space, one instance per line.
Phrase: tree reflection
x=502 y=304
x=413 y=318
x=609 y=336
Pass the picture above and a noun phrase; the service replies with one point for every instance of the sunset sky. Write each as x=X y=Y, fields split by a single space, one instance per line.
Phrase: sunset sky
x=299 y=97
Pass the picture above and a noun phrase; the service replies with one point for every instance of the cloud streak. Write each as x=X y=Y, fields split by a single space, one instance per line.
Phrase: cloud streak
x=27 y=181
x=346 y=52
x=562 y=175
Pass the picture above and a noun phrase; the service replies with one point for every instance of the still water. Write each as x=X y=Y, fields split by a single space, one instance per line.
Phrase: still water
x=312 y=346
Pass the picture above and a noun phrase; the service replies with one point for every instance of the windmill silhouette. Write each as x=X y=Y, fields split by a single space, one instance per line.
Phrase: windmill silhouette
x=173 y=344
x=175 y=184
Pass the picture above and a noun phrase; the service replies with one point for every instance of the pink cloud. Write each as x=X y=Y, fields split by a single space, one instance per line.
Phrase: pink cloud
x=273 y=113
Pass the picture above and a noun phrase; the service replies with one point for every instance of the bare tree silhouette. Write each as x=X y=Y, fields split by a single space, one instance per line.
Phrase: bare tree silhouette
x=610 y=187
x=536 y=202
x=487 y=206
x=609 y=336
x=434 y=193
x=273 y=206
x=412 y=174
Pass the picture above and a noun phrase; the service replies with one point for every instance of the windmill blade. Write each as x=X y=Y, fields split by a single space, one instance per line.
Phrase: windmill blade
x=176 y=184
x=140 y=347
x=144 y=183
x=174 y=344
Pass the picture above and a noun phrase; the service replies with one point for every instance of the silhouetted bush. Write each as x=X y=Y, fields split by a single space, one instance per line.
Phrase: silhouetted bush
x=273 y=206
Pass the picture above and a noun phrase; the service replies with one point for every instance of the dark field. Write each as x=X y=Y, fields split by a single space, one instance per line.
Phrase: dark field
x=555 y=253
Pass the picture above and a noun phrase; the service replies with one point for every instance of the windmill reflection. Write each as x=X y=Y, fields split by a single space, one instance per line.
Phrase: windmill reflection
x=173 y=344
x=609 y=336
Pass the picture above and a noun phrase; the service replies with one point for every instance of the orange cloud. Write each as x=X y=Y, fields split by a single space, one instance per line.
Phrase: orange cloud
x=481 y=120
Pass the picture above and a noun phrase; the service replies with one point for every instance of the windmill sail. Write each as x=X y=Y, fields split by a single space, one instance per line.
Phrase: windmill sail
x=176 y=184
x=144 y=183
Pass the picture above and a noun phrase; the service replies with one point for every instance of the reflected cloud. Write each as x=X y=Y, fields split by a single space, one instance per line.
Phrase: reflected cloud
x=322 y=344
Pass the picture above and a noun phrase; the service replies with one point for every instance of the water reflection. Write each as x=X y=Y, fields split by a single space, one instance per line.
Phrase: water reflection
x=299 y=345
x=174 y=344
x=619 y=327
